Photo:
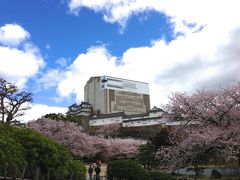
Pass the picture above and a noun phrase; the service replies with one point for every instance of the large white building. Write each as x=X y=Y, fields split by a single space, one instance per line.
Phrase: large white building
x=111 y=95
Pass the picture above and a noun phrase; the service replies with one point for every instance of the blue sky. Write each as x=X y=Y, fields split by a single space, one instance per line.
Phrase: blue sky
x=52 y=47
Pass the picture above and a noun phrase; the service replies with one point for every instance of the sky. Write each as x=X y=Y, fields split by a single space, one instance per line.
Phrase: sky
x=52 y=47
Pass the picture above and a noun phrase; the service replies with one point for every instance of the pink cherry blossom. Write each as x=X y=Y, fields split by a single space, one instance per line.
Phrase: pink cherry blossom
x=213 y=122
x=81 y=144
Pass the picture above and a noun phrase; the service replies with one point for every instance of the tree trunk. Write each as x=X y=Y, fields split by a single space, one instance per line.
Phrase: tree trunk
x=23 y=173
x=239 y=161
x=2 y=107
x=36 y=177
x=9 y=117
x=196 y=171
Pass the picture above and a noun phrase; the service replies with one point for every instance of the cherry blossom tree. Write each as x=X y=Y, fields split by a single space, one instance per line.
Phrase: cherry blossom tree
x=83 y=145
x=218 y=107
x=212 y=124
x=122 y=148
x=190 y=146
x=13 y=102
x=111 y=130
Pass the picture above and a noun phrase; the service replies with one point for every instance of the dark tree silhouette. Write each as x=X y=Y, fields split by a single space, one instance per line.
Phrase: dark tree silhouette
x=162 y=138
x=13 y=102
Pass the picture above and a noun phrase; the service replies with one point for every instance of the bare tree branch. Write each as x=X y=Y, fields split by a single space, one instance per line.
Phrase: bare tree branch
x=13 y=102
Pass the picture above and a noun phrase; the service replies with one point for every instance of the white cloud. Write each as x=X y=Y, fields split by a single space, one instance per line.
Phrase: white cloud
x=94 y=62
x=207 y=55
x=13 y=35
x=18 y=64
x=63 y=62
x=223 y=14
x=50 y=78
x=196 y=60
x=39 y=110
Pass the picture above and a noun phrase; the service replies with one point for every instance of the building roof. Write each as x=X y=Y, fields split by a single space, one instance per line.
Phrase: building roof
x=155 y=109
x=102 y=116
x=124 y=79
x=93 y=77
x=143 y=119
x=73 y=105
x=84 y=102
x=125 y=116
x=78 y=106
x=135 y=115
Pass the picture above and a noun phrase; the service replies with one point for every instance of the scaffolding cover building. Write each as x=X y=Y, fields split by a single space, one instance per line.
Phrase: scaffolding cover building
x=110 y=95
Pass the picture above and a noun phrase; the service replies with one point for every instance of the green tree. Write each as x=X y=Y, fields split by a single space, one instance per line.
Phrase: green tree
x=81 y=120
x=11 y=152
x=78 y=168
x=57 y=117
x=23 y=146
x=146 y=156
x=162 y=138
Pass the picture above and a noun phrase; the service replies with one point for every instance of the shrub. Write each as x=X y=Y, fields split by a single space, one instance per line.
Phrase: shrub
x=26 y=147
x=78 y=168
x=157 y=175
x=11 y=152
x=125 y=169
x=216 y=174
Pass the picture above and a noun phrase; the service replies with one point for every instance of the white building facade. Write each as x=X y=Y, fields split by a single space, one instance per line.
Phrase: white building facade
x=153 y=117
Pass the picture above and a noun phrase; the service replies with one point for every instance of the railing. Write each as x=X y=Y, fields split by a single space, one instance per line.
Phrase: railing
x=14 y=173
